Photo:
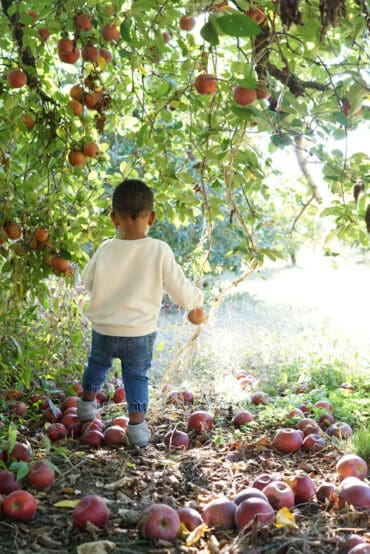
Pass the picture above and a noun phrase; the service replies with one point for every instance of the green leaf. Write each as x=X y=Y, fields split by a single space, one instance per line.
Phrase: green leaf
x=21 y=468
x=125 y=29
x=281 y=140
x=12 y=437
x=238 y=25
x=209 y=33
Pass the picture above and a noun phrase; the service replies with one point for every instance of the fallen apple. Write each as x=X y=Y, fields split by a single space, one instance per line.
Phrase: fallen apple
x=340 y=430
x=313 y=443
x=20 y=506
x=262 y=480
x=324 y=405
x=249 y=492
x=279 y=495
x=287 y=440
x=122 y=421
x=190 y=517
x=115 y=435
x=363 y=548
x=56 y=432
x=159 y=522
x=303 y=487
x=119 y=395
x=20 y=452
x=220 y=513
x=260 y=397
x=354 y=492
x=41 y=475
x=8 y=482
x=253 y=509
x=326 y=492
x=90 y=508
x=201 y=421
x=180 y=397
x=52 y=414
x=325 y=420
x=241 y=418
x=351 y=465
x=177 y=439
x=93 y=438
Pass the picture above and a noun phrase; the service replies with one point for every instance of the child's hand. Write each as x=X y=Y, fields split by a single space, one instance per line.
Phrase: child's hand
x=197 y=316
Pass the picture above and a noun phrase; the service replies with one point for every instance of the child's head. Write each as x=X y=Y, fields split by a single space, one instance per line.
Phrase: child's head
x=132 y=198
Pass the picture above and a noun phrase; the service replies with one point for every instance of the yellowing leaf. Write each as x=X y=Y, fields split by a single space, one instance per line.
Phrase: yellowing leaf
x=197 y=534
x=102 y=63
x=285 y=518
x=67 y=503
x=143 y=70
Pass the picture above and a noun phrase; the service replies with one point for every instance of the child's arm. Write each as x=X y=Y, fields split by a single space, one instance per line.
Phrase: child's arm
x=180 y=289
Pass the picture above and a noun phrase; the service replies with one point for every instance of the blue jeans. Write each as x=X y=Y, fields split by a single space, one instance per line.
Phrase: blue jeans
x=135 y=354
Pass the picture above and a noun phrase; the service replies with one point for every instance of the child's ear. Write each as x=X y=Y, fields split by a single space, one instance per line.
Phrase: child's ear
x=114 y=219
x=151 y=219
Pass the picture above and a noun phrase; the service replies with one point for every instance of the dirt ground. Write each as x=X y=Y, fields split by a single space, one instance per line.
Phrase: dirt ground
x=292 y=310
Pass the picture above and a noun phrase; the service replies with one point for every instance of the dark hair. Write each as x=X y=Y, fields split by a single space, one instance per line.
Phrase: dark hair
x=132 y=198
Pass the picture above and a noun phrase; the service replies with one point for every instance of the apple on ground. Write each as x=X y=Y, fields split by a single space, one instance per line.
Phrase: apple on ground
x=354 y=492
x=260 y=397
x=177 y=439
x=303 y=487
x=93 y=438
x=326 y=492
x=220 y=513
x=313 y=443
x=20 y=452
x=253 y=509
x=115 y=435
x=249 y=492
x=287 y=440
x=190 y=517
x=8 y=482
x=241 y=418
x=119 y=395
x=20 y=505
x=262 y=480
x=159 y=522
x=41 y=475
x=351 y=465
x=56 y=432
x=279 y=495
x=201 y=421
x=340 y=430
x=90 y=508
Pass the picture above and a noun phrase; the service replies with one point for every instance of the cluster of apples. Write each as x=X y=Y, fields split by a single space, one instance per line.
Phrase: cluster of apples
x=37 y=239
x=206 y=83
x=258 y=503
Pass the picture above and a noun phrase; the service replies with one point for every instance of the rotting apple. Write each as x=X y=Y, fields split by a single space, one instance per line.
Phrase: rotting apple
x=303 y=487
x=69 y=419
x=190 y=517
x=41 y=475
x=90 y=508
x=325 y=420
x=311 y=428
x=56 y=432
x=220 y=513
x=20 y=505
x=20 y=452
x=159 y=522
x=351 y=465
x=177 y=439
x=201 y=421
x=8 y=482
x=253 y=509
x=354 y=492
x=241 y=418
x=313 y=443
x=326 y=492
x=92 y=424
x=301 y=423
x=279 y=495
x=287 y=440
x=115 y=435
x=340 y=430
x=262 y=480
x=249 y=492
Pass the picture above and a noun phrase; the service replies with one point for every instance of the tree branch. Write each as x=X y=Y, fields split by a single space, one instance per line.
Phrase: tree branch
x=303 y=166
x=295 y=85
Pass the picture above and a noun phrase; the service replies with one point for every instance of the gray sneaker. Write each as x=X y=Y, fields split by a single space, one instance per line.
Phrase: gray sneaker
x=138 y=435
x=86 y=409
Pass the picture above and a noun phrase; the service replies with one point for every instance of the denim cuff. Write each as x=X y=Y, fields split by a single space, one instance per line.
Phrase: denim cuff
x=137 y=407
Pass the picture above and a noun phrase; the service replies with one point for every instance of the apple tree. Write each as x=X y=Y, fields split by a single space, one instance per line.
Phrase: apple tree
x=196 y=97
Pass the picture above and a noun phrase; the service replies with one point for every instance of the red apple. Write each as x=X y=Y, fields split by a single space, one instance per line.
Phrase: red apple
x=52 y=414
x=362 y=548
x=20 y=506
x=303 y=487
x=326 y=492
x=122 y=421
x=313 y=443
x=8 y=482
x=56 y=432
x=253 y=509
x=21 y=452
x=301 y=423
x=220 y=513
x=340 y=430
x=279 y=495
x=354 y=492
x=295 y=413
x=241 y=418
x=70 y=402
x=16 y=78
x=119 y=395
x=205 y=83
x=260 y=397
x=190 y=518
x=93 y=438
x=90 y=508
x=262 y=480
x=249 y=492
x=92 y=424
x=305 y=407
x=350 y=542
x=244 y=96
x=180 y=397
x=36 y=398
x=324 y=405
x=311 y=428
x=351 y=465
x=187 y=22
x=75 y=429
x=41 y=475
x=287 y=440
x=110 y=33
x=68 y=420
x=115 y=435
x=177 y=439
x=19 y=408
x=325 y=420
x=159 y=522
x=70 y=410
x=201 y=421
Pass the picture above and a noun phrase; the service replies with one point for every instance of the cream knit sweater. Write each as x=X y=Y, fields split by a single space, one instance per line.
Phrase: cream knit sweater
x=126 y=279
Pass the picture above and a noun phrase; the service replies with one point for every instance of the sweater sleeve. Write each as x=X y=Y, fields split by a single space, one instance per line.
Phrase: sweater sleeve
x=181 y=291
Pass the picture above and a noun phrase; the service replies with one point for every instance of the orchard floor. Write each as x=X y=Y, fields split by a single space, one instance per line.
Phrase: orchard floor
x=297 y=317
